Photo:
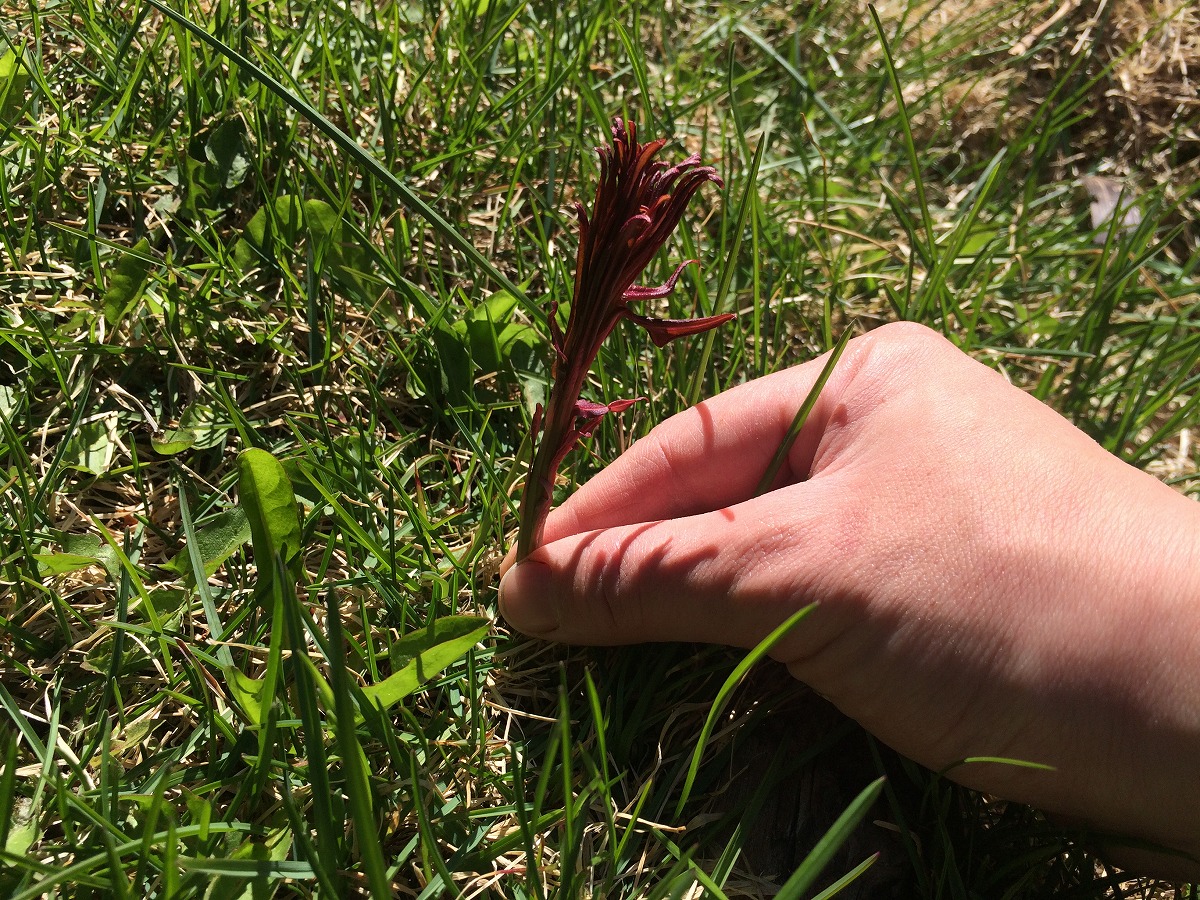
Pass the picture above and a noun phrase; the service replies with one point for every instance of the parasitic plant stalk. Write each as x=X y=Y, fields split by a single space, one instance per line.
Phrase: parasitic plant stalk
x=639 y=201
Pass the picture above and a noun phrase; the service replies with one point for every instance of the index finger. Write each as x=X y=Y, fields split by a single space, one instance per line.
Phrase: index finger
x=707 y=457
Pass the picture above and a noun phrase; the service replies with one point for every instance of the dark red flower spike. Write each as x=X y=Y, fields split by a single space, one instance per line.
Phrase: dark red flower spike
x=639 y=202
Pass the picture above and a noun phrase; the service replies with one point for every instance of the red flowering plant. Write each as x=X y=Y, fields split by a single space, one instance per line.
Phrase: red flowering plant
x=639 y=201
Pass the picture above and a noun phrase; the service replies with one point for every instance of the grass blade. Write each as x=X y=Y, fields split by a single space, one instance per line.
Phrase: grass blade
x=816 y=861
x=928 y=251
x=726 y=691
x=729 y=268
x=358 y=781
x=802 y=414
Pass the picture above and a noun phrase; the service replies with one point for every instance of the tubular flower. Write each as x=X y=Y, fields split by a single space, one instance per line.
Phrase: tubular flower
x=639 y=201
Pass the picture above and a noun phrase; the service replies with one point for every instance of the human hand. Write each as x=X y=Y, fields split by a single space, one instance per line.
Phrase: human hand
x=990 y=582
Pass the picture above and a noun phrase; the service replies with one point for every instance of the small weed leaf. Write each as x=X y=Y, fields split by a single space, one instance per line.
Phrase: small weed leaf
x=217 y=162
x=63 y=563
x=106 y=658
x=282 y=224
x=109 y=651
x=216 y=541
x=247 y=692
x=228 y=153
x=78 y=552
x=14 y=80
x=323 y=688
x=173 y=440
x=416 y=658
x=448 y=374
x=207 y=423
x=421 y=655
x=274 y=848
x=200 y=811
x=270 y=503
x=23 y=828
x=492 y=335
x=92 y=447
x=127 y=283
x=275 y=230
x=10 y=401
x=485 y=341
x=257 y=243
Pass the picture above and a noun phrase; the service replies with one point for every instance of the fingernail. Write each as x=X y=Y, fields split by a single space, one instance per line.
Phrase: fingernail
x=526 y=600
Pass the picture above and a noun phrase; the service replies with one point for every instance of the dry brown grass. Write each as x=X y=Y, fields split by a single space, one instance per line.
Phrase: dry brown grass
x=1141 y=62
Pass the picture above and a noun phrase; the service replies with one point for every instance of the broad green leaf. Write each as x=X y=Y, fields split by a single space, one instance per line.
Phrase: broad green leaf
x=287 y=219
x=14 y=80
x=247 y=692
x=200 y=810
x=8 y=791
x=197 y=185
x=207 y=422
x=346 y=261
x=410 y=13
x=78 y=552
x=91 y=448
x=324 y=689
x=168 y=612
x=126 y=283
x=475 y=8
x=215 y=163
x=451 y=366
x=23 y=829
x=217 y=541
x=173 y=440
x=10 y=400
x=498 y=307
x=322 y=220
x=275 y=847
x=257 y=243
x=270 y=503
x=133 y=734
x=247 y=253
x=228 y=153
x=63 y=563
x=249 y=868
x=419 y=656
x=485 y=348
x=492 y=335
x=483 y=342
x=416 y=658
x=98 y=658
x=274 y=231
x=514 y=334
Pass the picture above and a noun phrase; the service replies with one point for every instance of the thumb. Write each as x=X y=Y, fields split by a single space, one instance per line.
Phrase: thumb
x=728 y=577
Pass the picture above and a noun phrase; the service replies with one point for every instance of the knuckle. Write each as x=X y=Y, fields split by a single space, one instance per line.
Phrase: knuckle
x=614 y=595
x=908 y=344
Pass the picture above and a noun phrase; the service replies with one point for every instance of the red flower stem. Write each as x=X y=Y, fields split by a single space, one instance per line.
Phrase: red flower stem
x=557 y=422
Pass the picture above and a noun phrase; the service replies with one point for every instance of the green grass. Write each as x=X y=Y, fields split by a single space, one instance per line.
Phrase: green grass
x=328 y=232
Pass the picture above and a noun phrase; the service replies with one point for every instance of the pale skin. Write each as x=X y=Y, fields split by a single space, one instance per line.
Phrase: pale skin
x=989 y=581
